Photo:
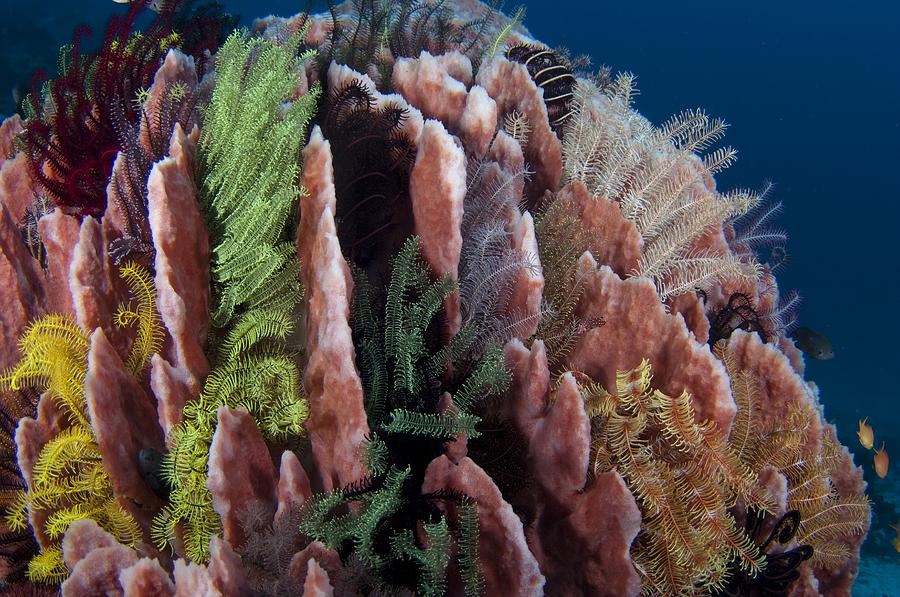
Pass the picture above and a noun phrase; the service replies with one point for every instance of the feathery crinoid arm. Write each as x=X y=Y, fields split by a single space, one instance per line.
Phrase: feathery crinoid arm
x=421 y=390
x=68 y=480
x=149 y=337
x=248 y=168
x=659 y=177
x=685 y=476
x=826 y=516
x=562 y=239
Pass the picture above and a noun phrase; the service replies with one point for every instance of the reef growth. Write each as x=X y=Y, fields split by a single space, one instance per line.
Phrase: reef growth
x=394 y=299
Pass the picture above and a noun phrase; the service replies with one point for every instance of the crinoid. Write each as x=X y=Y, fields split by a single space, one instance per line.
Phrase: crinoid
x=378 y=32
x=377 y=538
x=562 y=239
x=551 y=74
x=77 y=120
x=144 y=143
x=71 y=140
x=685 y=477
x=738 y=314
x=780 y=568
x=372 y=162
x=17 y=546
x=753 y=231
x=202 y=29
x=409 y=373
x=31 y=236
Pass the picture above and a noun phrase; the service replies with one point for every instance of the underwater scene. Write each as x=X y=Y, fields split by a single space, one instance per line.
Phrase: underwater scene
x=449 y=297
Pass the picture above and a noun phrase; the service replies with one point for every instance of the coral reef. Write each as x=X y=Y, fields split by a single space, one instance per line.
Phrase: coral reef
x=394 y=299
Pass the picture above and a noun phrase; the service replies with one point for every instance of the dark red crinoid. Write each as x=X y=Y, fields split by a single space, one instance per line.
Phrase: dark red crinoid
x=72 y=140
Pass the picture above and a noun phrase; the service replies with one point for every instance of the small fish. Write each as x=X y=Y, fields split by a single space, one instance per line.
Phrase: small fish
x=812 y=343
x=896 y=527
x=880 y=461
x=866 y=435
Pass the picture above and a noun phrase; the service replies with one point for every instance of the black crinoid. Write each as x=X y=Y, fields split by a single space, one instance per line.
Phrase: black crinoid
x=373 y=158
x=738 y=314
x=780 y=570
x=16 y=547
x=550 y=73
x=31 y=235
x=378 y=32
x=421 y=390
x=143 y=143
x=202 y=28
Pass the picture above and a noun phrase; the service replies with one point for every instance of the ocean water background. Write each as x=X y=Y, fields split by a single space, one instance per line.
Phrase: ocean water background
x=812 y=93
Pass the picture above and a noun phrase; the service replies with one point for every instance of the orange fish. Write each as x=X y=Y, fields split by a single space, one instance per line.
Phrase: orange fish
x=866 y=435
x=896 y=527
x=881 y=462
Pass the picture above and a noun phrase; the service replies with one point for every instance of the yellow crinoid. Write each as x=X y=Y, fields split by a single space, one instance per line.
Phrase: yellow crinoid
x=68 y=481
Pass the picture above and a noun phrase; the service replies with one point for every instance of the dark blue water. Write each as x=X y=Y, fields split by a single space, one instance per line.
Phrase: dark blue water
x=812 y=91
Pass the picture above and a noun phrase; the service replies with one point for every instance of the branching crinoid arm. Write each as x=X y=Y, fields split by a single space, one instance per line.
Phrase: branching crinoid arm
x=562 y=239
x=826 y=517
x=696 y=270
x=659 y=182
x=320 y=521
x=685 y=477
x=54 y=356
x=753 y=228
x=490 y=265
x=249 y=179
x=69 y=481
x=469 y=562
x=517 y=126
x=190 y=502
x=432 y=559
x=266 y=382
x=150 y=333
x=248 y=168
x=504 y=33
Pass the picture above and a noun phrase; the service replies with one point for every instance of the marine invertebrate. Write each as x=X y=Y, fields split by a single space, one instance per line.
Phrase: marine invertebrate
x=373 y=33
x=659 y=182
x=563 y=239
x=17 y=547
x=683 y=474
x=738 y=314
x=31 y=236
x=780 y=571
x=70 y=139
x=84 y=117
x=373 y=159
x=249 y=182
x=409 y=379
x=374 y=370
x=143 y=144
x=832 y=508
x=68 y=481
x=550 y=74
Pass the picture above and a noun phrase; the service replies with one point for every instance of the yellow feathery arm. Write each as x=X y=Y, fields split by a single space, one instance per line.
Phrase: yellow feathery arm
x=633 y=388
x=54 y=359
x=149 y=327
